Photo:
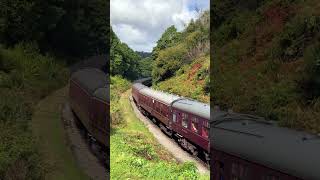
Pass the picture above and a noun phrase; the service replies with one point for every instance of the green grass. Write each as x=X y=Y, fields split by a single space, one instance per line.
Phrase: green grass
x=135 y=154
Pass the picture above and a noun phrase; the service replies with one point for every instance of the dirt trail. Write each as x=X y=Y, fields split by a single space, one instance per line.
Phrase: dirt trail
x=169 y=144
x=49 y=133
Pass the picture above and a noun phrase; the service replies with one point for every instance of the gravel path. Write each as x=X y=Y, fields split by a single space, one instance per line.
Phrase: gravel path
x=80 y=148
x=168 y=143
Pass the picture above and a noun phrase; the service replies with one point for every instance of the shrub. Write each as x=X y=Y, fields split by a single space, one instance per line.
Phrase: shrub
x=297 y=34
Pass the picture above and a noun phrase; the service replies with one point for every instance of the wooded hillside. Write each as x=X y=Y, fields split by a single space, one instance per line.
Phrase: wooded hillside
x=266 y=59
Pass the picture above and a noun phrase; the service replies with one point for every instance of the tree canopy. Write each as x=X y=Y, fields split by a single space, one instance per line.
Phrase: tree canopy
x=70 y=27
x=126 y=62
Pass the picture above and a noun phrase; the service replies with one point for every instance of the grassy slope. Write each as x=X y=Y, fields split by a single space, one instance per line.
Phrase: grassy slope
x=255 y=73
x=48 y=127
x=189 y=80
x=135 y=154
x=25 y=78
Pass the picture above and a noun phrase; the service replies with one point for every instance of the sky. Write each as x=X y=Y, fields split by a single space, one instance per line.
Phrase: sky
x=140 y=23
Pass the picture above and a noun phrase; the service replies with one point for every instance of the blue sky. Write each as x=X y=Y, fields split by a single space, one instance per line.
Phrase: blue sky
x=140 y=23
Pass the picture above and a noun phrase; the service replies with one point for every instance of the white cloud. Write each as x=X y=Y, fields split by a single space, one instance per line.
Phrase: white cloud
x=140 y=23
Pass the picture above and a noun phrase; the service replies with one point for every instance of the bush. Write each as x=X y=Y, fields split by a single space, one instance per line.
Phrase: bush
x=118 y=85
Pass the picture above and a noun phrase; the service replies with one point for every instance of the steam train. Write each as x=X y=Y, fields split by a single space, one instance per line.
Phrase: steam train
x=181 y=118
x=90 y=102
x=251 y=148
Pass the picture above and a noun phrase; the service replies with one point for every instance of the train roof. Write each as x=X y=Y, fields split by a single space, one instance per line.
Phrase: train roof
x=138 y=86
x=102 y=94
x=185 y=104
x=159 y=95
x=92 y=80
x=254 y=139
x=194 y=107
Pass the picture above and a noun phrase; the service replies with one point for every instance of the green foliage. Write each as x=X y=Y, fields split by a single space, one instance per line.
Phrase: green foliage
x=126 y=62
x=73 y=28
x=25 y=77
x=19 y=158
x=118 y=85
x=241 y=23
x=168 y=62
x=168 y=39
x=190 y=80
x=266 y=61
x=146 y=67
x=312 y=58
x=176 y=49
x=295 y=37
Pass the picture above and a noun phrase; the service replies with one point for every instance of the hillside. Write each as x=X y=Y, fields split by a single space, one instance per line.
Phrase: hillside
x=266 y=60
x=190 y=81
x=182 y=60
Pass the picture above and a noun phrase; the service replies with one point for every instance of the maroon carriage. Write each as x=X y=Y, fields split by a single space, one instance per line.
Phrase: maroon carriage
x=89 y=100
x=190 y=122
x=248 y=147
x=184 y=119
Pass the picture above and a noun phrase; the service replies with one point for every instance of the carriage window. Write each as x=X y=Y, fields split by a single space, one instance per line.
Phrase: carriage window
x=194 y=125
x=174 y=117
x=205 y=129
x=184 y=120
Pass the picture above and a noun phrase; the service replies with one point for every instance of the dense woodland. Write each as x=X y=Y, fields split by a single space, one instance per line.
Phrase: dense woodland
x=266 y=59
x=74 y=28
x=38 y=39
